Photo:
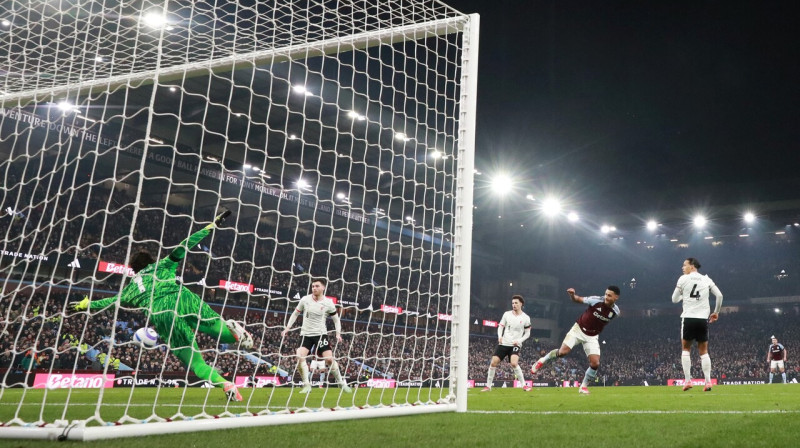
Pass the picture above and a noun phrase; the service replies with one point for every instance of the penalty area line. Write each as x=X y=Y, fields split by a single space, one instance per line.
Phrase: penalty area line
x=635 y=411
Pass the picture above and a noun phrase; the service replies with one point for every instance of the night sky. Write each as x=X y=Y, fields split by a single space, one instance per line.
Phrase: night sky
x=634 y=107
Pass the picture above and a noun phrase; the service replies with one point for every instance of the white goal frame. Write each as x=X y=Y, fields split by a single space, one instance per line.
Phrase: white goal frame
x=456 y=401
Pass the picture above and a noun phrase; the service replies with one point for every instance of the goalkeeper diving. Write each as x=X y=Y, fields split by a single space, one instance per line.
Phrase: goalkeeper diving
x=175 y=311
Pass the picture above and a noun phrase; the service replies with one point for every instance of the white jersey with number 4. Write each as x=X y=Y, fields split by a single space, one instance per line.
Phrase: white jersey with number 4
x=513 y=327
x=314 y=314
x=693 y=290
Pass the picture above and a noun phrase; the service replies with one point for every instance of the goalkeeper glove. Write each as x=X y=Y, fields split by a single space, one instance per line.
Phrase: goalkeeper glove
x=221 y=217
x=83 y=305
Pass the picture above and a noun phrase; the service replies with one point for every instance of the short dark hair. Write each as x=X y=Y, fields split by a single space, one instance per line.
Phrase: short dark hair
x=518 y=297
x=614 y=289
x=141 y=260
x=693 y=262
x=321 y=280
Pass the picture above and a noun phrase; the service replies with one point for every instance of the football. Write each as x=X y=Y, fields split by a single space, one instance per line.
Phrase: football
x=146 y=337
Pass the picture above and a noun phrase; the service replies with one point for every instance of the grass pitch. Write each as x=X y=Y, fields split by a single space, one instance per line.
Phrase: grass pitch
x=660 y=416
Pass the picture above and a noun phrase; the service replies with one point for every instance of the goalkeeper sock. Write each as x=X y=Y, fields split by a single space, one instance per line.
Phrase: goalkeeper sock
x=705 y=362
x=490 y=376
x=770 y=377
x=194 y=360
x=590 y=375
x=520 y=376
x=337 y=375
x=301 y=364
x=686 y=361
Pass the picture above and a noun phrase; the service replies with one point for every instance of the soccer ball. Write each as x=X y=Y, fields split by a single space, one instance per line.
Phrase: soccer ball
x=146 y=337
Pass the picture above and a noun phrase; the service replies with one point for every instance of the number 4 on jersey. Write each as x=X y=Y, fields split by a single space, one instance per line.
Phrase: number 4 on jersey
x=695 y=294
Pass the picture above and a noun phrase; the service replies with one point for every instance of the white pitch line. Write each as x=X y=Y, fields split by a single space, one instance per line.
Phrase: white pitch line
x=645 y=412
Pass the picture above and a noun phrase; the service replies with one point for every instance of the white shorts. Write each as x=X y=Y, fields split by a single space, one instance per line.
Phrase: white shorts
x=317 y=365
x=576 y=336
x=776 y=365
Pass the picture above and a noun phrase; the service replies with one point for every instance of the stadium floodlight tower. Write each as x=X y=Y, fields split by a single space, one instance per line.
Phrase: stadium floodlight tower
x=126 y=126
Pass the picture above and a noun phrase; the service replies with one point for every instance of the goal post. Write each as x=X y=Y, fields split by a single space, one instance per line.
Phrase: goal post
x=340 y=134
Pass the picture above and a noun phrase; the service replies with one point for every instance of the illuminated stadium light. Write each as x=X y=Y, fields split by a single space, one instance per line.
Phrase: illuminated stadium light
x=256 y=169
x=777 y=311
x=573 y=217
x=99 y=59
x=173 y=89
x=247 y=166
x=155 y=20
x=401 y=136
x=673 y=240
x=356 y=116
x=743 y=235
x=780 y=232
x=699 y=221
x=551 y=207
x=652 y=225
x=65 y=106
x=530 y=197
x=502 y=184
x=605 y=228
x=297 y=88
x=749 y=217
x=292 y=137
x=410 y=219
x=6 y=22
x=436 y=154
x=303 y=185
x=708 y=238
x=341 y=195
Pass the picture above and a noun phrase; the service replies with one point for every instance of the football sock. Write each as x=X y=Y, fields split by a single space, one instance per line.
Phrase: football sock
x=520 y=376
x=303 y=371
x=783 y=375
x=770 y=377
x=490 y=376
x=590 y=375
x=705 y=362
x=334 y=368
x=686 y=361
x=194 y=360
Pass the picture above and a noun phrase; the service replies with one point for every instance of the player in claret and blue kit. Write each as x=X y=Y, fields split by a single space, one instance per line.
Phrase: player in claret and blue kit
x=600 y=312
x=175 y=311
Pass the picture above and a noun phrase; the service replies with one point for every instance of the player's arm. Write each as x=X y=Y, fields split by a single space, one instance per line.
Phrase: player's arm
x=292 y=320
x=525 y=335
x=180 y=252
x=718 y=303
x=500 y=329
x=574 y=297
x=785 y=355
x=87 y=304
x=677 y=294
x=337 y=324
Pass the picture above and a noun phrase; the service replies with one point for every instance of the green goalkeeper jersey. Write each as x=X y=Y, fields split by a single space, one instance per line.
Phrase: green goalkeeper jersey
x=155 y=282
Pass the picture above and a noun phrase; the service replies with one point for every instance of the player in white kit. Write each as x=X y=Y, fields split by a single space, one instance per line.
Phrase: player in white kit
x=514 y=329
x=693 y=289
x=315 y=309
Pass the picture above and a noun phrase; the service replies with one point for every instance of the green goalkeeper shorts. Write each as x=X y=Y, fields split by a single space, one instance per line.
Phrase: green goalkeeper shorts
x=176 y=317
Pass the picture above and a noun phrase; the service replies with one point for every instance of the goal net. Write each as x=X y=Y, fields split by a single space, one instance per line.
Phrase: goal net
x=340 y=136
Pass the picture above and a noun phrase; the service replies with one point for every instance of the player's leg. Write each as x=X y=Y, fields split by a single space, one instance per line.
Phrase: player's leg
x=495 y=361
x=592 y=348
x=211 y=323
x=783 y=371
x=772 y=369
x=184 y=347
x=566 y=347
x=333 y=366
x=686 y=353
x=518 y=370
x=705 y=360
x=302 y=352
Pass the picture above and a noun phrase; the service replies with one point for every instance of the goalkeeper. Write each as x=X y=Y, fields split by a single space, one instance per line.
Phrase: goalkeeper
x=176 y=312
